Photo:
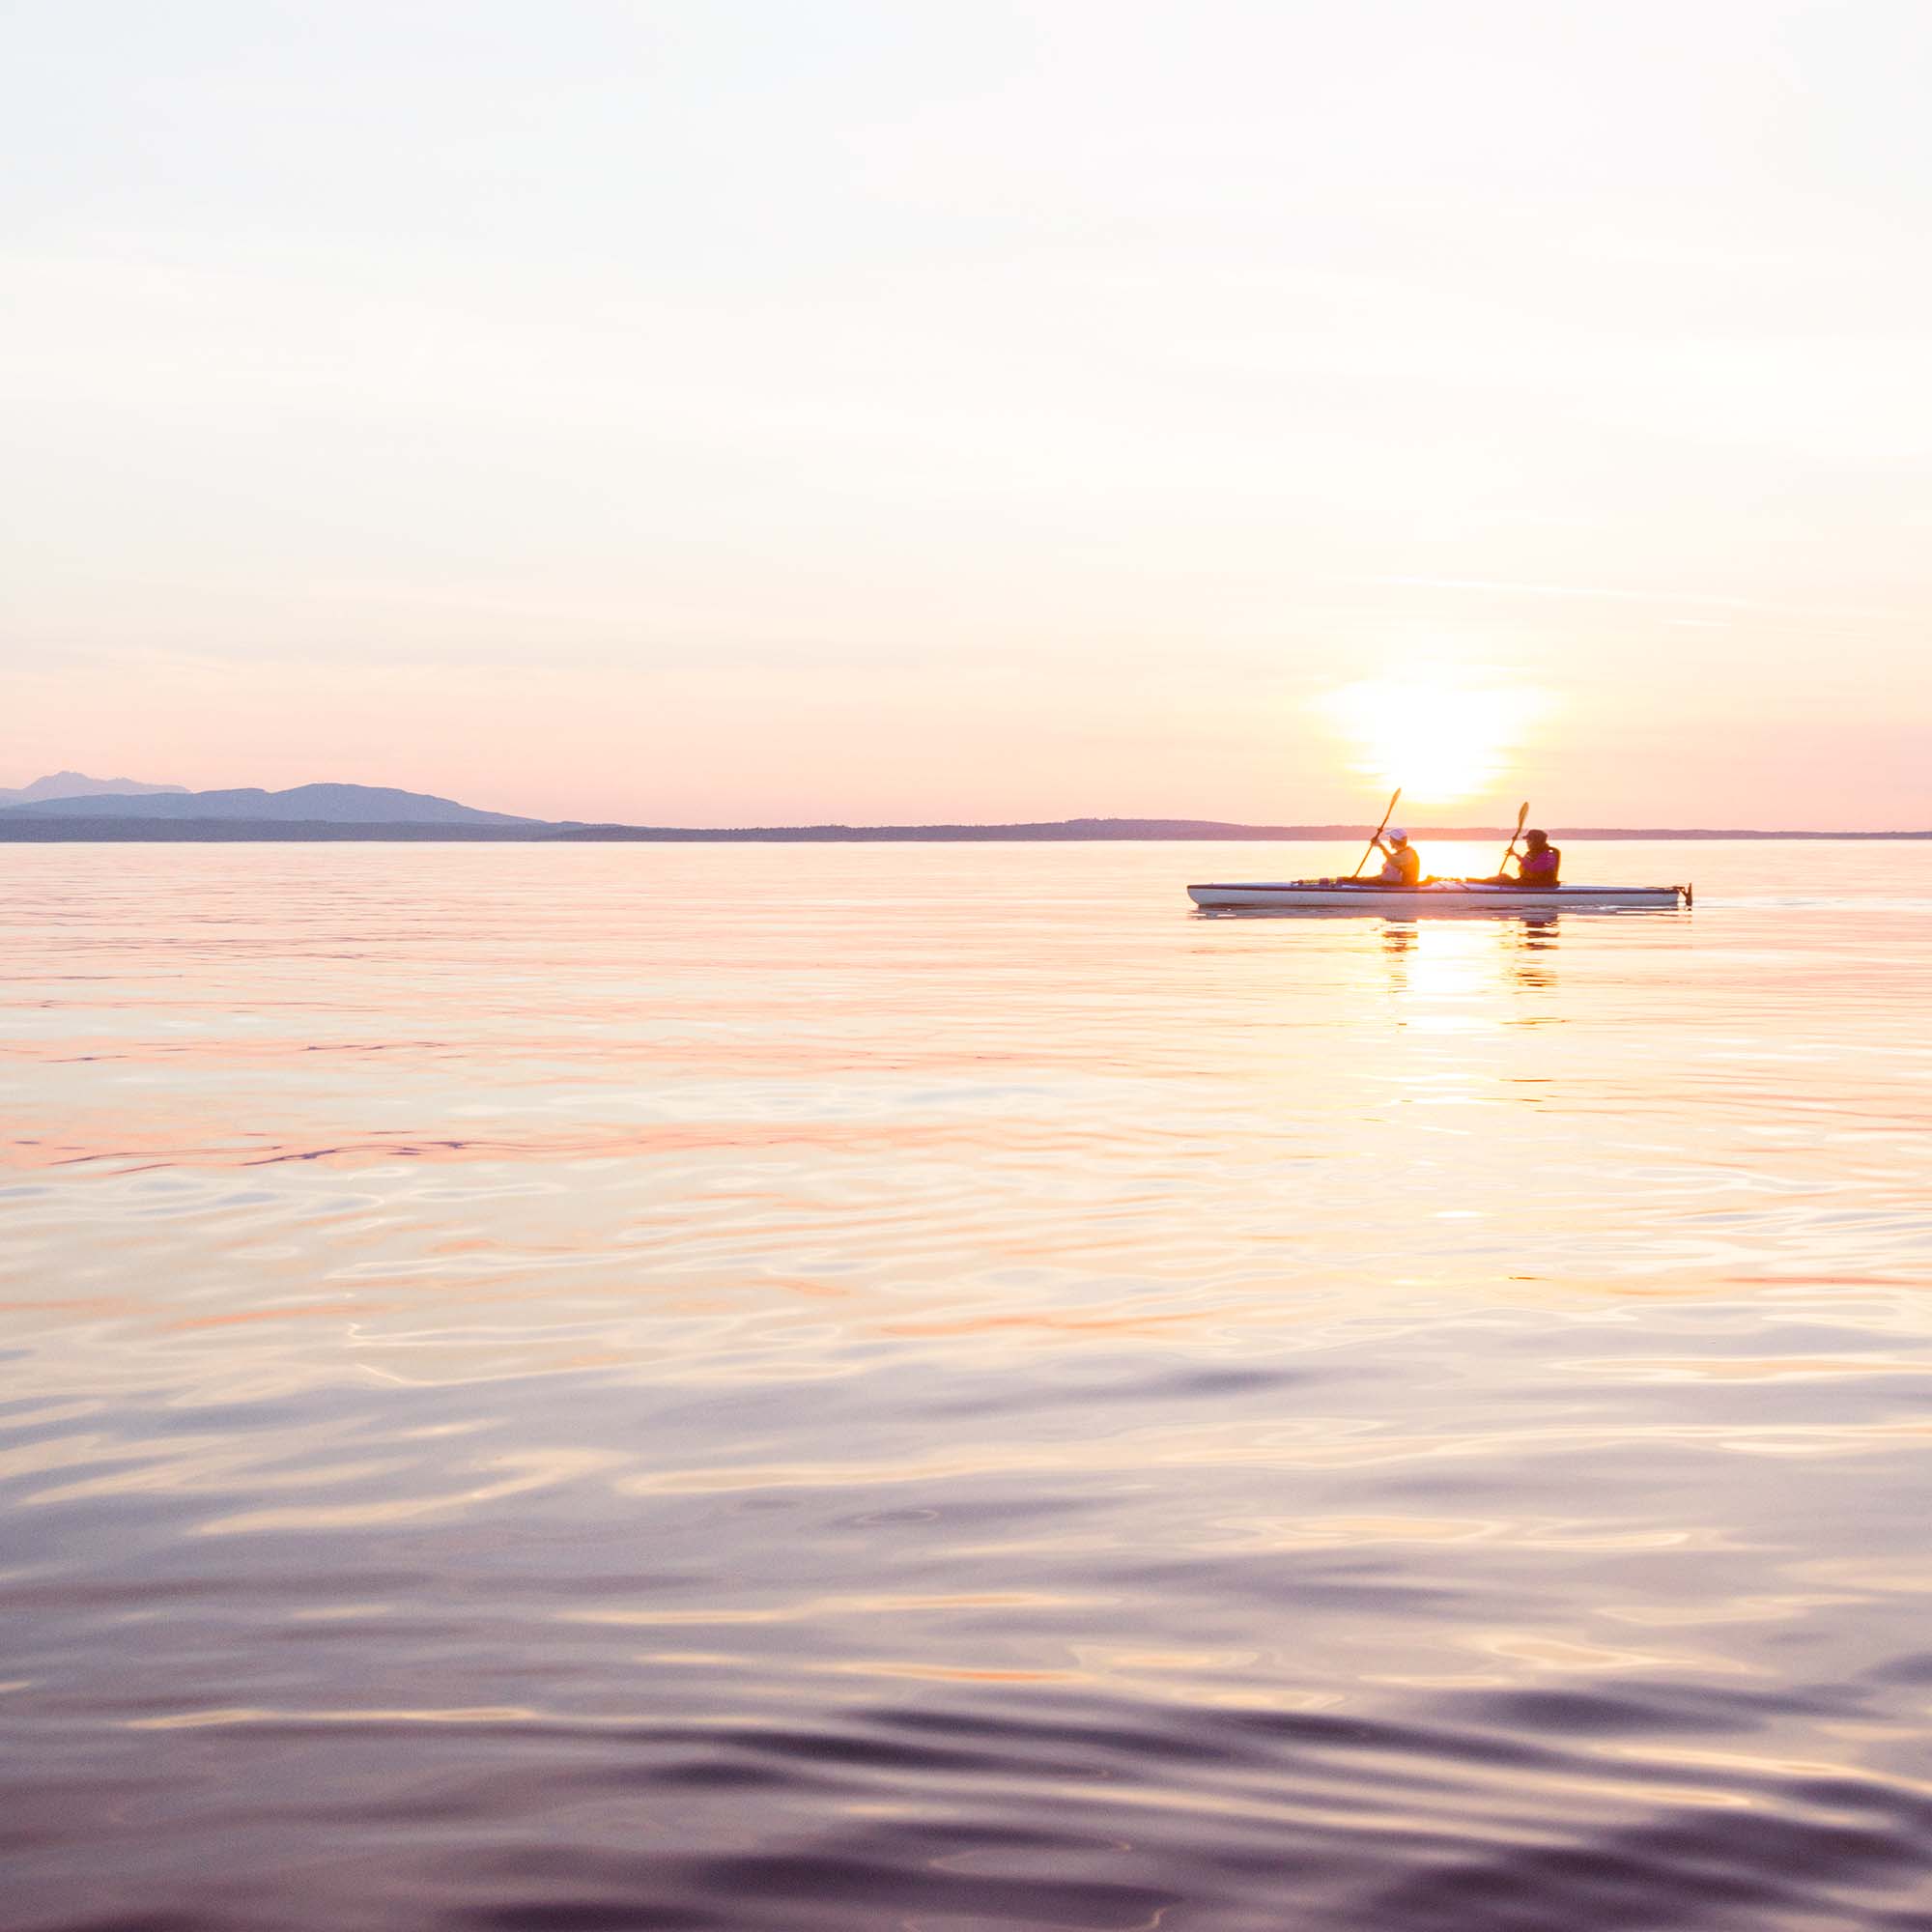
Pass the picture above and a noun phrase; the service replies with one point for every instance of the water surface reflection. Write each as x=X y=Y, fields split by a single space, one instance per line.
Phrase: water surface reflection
x=931 y=1387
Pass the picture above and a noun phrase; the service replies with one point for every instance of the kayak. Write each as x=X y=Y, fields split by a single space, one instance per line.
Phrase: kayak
x=1439 y=896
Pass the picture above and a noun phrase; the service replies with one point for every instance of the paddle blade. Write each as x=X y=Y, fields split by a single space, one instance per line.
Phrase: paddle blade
x=1509 y=850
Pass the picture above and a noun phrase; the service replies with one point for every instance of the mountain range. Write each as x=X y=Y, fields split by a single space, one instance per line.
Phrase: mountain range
x=309 y=804
x=77 y=784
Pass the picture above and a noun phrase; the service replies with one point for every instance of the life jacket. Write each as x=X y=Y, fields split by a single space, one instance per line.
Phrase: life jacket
x=1540 y=869
x=1403 y=867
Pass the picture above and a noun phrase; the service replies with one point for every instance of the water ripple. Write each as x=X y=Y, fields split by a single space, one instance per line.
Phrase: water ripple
x=933 y=1390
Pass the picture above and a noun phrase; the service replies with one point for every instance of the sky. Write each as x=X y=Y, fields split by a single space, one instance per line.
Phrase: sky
x=726 y=413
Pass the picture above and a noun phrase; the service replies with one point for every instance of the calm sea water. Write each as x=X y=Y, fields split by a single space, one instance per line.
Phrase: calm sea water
x=931 y=1387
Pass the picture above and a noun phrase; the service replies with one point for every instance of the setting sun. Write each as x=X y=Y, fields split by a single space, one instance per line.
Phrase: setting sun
x=1440 y=740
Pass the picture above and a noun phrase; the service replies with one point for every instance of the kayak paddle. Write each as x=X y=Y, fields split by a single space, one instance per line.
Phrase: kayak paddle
x=1381 y=829
x=1509 y=852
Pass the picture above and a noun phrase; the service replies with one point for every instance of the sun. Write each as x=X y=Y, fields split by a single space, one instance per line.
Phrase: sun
x=1439 y=739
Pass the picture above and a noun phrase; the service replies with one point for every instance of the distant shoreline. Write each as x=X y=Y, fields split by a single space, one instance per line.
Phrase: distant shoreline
x=37 y=829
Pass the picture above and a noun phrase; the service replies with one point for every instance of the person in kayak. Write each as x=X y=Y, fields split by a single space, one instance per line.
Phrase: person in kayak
x=1402 y=864
x=1537 y=864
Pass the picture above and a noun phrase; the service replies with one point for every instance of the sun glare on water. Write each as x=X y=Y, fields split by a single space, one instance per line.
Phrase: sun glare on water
x=1438 y=740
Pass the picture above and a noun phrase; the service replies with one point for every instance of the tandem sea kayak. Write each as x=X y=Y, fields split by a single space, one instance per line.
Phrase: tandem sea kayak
x=1438 y=896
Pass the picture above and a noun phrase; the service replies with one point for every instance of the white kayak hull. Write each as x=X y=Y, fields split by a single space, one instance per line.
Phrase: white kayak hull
x=1433 y=900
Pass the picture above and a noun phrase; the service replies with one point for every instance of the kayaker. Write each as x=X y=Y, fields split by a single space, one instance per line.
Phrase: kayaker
x=1537 y=864
x=1402 y=864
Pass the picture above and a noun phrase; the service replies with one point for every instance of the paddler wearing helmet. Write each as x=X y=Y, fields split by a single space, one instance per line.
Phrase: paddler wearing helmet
x=1402 y=864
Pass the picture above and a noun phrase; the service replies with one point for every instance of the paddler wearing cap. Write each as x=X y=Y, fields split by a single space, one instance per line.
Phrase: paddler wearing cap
x=1539 y=864
x=1402 y=864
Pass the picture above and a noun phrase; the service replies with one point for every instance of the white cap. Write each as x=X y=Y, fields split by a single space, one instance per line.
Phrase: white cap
x=1397 y=835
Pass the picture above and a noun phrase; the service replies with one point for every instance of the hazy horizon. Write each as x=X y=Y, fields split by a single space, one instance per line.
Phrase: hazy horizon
x=737 y=415
x=1440 y=823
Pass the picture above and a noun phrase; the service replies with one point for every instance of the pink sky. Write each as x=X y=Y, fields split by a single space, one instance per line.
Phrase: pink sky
x=915 y=415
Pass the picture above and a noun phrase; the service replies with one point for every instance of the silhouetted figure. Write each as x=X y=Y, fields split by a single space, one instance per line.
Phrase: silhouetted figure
x=1402 y=864
x=1538 y=864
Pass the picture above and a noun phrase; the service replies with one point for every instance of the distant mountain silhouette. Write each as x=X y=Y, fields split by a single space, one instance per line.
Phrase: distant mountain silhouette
x=352 y=812
x=309 y=804
x=77 y=784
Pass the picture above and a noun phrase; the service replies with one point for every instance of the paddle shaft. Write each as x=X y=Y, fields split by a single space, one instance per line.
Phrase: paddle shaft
x=1509 y=851
x=1381 y=829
